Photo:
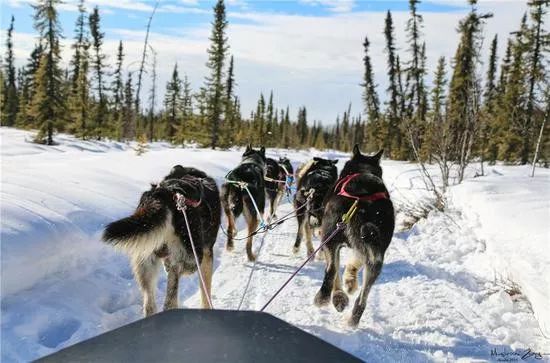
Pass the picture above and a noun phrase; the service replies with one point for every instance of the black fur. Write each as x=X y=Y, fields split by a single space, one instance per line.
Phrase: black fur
x=235 y=200
x=157 y=231
x=319 y=178
x=368 y=234
x=276 y=170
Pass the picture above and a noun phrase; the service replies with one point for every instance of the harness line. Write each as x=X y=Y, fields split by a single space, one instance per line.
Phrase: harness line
x=182 y=207
x=268 y=228
x=339 y=227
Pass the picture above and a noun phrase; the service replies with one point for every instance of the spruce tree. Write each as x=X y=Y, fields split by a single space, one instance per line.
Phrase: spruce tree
x=438 y=91
x=370 y=97
x=172 y=103
x=510 y=116
x=302 y=126
x=186 y=102
x=217 y=53
x=270 y=128
x=79 y=105
x=47 y=102
x=230 y=83
x=152 y=97
x=490 y=82
x=337 y=134
x=415 y=72
x=464 y=94
x=393 y=88
x=24 y=116
x=228 y=134
x=117 y=87
x=98 y=65
x=128 y=121
x=9 y=93
x=286 y=129
x=259 y=121
x=487 y=136
x=80 y=45
x=436 y=142
x=537 y=38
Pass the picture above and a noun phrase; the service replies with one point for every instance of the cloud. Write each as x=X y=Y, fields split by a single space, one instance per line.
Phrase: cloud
x=337 y=6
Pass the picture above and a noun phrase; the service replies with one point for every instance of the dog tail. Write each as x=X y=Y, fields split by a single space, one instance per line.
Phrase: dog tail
x=233 y=199
x=304 y=169
x=143 y=232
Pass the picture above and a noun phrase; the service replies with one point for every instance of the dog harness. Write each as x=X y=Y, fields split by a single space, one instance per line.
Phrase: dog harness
x=341 y=185
x=186 y=201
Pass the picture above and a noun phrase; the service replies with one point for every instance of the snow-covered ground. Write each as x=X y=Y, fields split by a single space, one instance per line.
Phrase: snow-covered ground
x=437 y=298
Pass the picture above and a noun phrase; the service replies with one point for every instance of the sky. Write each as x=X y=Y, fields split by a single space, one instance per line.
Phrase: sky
x=308 y=52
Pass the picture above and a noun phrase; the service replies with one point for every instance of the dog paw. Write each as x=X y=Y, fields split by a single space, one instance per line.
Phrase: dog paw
x=320 y=256
x=170 y=306
x=340 y=300
x=251 y=257
x=310 y=252
x=295 y=250
x=321 y=299
x=229 y=248
x=353 y=321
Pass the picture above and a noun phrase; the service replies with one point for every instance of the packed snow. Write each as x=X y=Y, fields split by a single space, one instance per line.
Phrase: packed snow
x=457 y=285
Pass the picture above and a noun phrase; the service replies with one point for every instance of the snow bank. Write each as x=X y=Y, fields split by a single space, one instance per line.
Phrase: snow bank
x=511 y=212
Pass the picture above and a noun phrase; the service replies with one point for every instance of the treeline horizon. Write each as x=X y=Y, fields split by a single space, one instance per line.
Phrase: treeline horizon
x=462 y=116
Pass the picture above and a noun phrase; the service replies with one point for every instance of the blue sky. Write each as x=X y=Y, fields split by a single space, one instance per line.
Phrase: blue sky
x=307 y=51
x=130 y=18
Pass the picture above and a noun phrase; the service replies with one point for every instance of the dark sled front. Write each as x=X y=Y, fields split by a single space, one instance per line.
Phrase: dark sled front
x=204 y=336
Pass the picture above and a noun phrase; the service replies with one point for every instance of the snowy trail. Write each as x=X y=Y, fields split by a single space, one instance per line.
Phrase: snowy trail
x=434 y=301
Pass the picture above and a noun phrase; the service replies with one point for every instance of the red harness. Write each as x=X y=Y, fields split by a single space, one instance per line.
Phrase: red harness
x=343 y=182
x=188 y=202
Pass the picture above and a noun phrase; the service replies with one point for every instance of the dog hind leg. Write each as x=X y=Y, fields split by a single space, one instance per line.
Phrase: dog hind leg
x=298 y=242
x=339 y=298
x=309 y=235
x=146 y=273
x=372 y=269
x=172 y=284
x=323 y=295
x=252 y=221
x=230 y=228
x=350 y=273
x=206 y=271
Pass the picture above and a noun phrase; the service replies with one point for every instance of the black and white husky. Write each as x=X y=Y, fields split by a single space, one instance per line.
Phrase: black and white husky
x=368 y=233
x=236 y=200
x=156 y=233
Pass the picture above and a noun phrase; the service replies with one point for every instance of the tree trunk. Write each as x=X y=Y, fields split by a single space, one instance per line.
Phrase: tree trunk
x=540 y=138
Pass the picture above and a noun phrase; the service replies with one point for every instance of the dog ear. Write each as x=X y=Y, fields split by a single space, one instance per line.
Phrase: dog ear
x=262 y=151
x=376 y=157
x=356 y=150
x=316 y=159
x=248 y=147
x=334 y=162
